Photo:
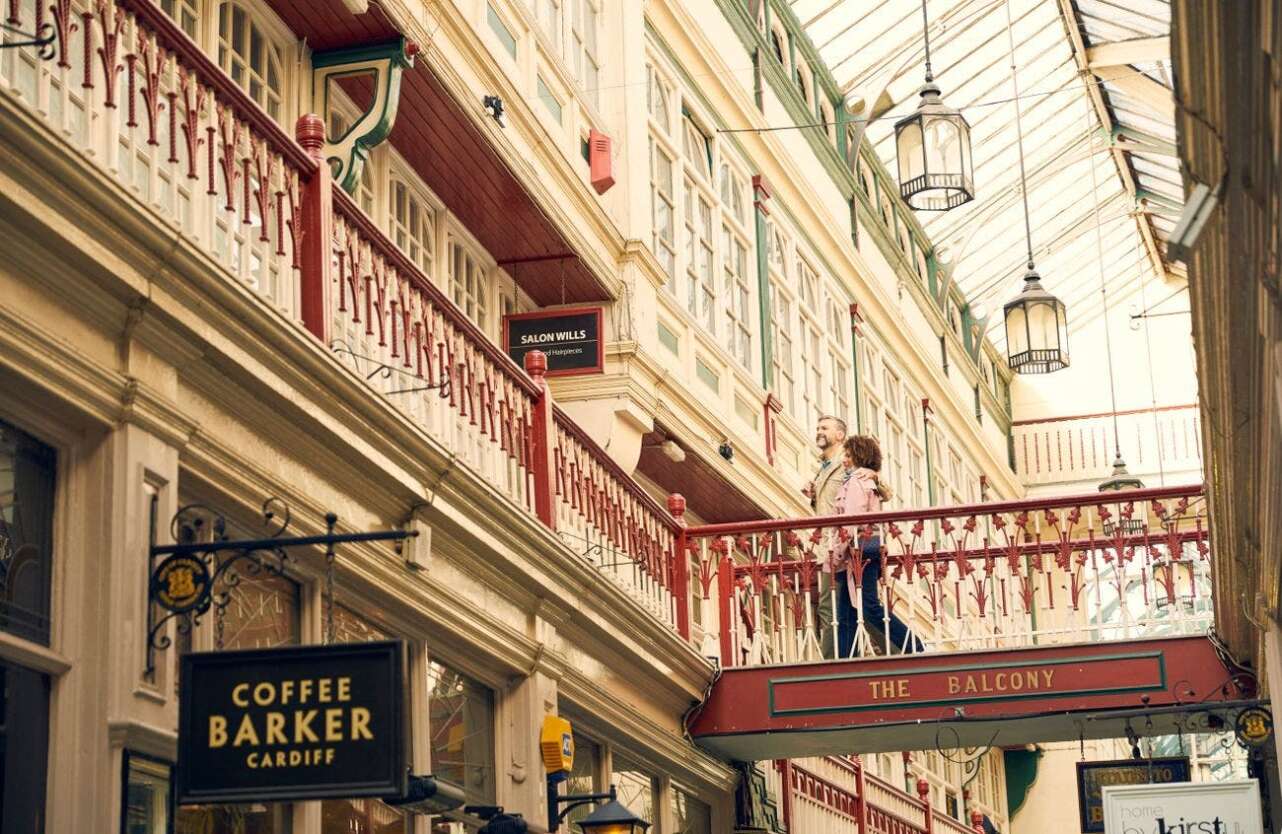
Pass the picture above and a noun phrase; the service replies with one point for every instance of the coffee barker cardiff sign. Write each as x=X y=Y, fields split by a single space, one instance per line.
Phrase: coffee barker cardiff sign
x=310 y=722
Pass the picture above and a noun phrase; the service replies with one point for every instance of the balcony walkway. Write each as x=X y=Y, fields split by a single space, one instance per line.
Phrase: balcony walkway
x=1044 y=620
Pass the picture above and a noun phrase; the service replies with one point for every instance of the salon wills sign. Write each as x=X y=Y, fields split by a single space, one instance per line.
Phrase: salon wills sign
x=310 y=722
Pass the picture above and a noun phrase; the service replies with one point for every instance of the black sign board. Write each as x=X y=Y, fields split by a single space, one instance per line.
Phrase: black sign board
x=571 y=339
x=308 y=722
x=1092 y=776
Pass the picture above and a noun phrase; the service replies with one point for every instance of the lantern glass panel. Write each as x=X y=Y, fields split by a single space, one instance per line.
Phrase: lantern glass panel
x=1043 y=326
x=910 y=152
x=1016 y=330
x=943 y=148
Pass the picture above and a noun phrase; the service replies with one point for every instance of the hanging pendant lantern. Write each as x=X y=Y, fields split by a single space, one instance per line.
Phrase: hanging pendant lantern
x=932 y=146
x=1121 y=478
x=1036 y=329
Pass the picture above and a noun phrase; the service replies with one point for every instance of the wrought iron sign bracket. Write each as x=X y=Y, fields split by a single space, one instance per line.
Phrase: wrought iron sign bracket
x=386 y=371
x=184 y=575
x=42 y=40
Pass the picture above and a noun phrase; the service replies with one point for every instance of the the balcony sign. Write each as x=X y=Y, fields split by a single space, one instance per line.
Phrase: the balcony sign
x=1093 y=777
x=1184 y=808
x=311 y=722
x=571 y=339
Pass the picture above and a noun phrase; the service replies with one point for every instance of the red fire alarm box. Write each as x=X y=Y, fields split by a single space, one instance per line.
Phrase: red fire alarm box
x=600 y=165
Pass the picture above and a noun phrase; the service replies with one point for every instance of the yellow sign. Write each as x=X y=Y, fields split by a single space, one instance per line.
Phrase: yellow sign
x=557 y=744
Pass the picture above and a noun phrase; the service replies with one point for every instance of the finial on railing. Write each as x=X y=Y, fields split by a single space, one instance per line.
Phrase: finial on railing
x=536 y=364
x=923 y=788
x=677 y=506
x=309 y=130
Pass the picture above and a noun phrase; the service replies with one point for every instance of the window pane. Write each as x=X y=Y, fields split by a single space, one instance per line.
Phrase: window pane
x=583 y=778
x=637 y=788
x=27 y=469
x=146 y=796
x=24 y=748
x=461 y=723
x=691 y=815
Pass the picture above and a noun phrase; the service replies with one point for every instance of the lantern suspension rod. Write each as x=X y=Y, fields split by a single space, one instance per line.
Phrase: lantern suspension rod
x=1019 y=136
x=925 y=31
x=1103 y=291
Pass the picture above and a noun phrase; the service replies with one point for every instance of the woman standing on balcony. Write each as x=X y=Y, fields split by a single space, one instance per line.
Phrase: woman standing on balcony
x=863 y=492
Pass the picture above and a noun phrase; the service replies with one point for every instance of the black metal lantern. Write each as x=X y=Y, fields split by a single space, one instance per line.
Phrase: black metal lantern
x=1036 y=329
x=612 y=818
x=1120 y=479
x=932 y=146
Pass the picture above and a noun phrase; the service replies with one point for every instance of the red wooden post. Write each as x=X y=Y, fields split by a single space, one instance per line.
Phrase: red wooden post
x=315 y=239
x=923 y=793
x=861 y=801
x=785 y=778
x=977 y=822
x=542 y=441
x=725 y=596
x=680 y=566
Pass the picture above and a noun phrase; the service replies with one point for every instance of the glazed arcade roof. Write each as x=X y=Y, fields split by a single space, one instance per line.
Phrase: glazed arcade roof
x=1098 y=117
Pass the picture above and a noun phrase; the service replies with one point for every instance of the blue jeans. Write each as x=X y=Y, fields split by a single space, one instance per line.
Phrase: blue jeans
x=874 y=611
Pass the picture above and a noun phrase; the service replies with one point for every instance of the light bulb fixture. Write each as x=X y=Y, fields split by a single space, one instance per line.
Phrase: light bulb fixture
x=932 y=146
x=1036 y=321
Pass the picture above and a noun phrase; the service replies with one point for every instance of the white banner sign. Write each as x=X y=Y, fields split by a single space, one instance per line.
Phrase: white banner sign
x=1184 y=808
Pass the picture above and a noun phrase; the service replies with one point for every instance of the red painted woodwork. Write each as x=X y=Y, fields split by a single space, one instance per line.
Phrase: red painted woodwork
x=313 y=251
x=600 y=162
x=542 y=440
x=680 y=565
x=832 y=707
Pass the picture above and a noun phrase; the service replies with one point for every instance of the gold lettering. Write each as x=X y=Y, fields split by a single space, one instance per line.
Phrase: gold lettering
x=983 y=683
x=329 y=755
x=280 y=758
x=304 y=690
x=334 y=724
x=264 y=694
x=1048 y=674
x=360 y=722
x=970 y=684
x=264 y=759
x=344 y=689
x=238 y=695
x=217 y=731
x=999 y=681
x=246 y=733
x=295 y=758
x=322 y=690
x=252 y=760
x=954 y=685
x=1016 y=681
x=286 y=689
x=276 y=728
x=303 y=725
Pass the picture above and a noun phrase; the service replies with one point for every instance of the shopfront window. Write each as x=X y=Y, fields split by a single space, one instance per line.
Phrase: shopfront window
x=27 y=469
x=691 y=815
x=638 y=789
x=147 y=795
x=584 y=778
x=24 y=748
x=461 y=723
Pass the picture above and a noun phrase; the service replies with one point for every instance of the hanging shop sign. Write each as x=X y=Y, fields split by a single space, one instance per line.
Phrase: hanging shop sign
x=571 y=339
x=308 y=722
x=1253 y=727
x=1184 y=808
x=1093 y=777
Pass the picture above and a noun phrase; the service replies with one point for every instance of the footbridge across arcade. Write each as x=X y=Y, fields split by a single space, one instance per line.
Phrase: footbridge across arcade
x=1050 y=620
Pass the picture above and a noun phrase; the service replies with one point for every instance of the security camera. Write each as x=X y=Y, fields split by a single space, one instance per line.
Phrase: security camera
x=726 y=450
x=494 y=106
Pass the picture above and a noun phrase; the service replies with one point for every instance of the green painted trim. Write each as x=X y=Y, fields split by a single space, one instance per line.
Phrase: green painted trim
x=387 y=61
x=930 y=470
x=1021 y=772
x=854 y=366
x=1022 y=696
x=763 y=300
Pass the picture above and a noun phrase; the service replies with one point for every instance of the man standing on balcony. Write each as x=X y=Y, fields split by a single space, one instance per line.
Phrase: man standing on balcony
x=830 y=435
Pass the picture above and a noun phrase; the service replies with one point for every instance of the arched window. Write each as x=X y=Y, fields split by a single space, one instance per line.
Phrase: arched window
x=776 y=41
x=412 y=224
x=659 y=96
x=803 y=85
x=248 y=55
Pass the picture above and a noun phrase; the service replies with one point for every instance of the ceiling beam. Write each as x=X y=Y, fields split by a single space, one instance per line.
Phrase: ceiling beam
x=1137 y=85
x=1072 y=27
x=1121 y=53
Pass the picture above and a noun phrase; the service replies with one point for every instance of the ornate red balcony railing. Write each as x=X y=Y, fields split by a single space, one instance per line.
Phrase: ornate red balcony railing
x=1097 y=566
x=126 y=86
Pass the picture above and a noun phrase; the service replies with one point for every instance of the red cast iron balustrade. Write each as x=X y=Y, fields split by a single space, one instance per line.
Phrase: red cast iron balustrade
x=978 y=576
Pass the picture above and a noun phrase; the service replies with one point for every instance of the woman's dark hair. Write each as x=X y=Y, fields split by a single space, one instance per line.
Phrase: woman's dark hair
x=864 y=451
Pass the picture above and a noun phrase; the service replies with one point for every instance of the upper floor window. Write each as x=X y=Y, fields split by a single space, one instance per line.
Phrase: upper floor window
x=697 y=147
x=412 y=225
x=826 y=119
x=27 y=470
x=584 y=25
x=184 y=13
x=732 y=192
x=802 y=73
x=660 y=97
x=777 y=43
x=247 y=54
x=467 y=285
